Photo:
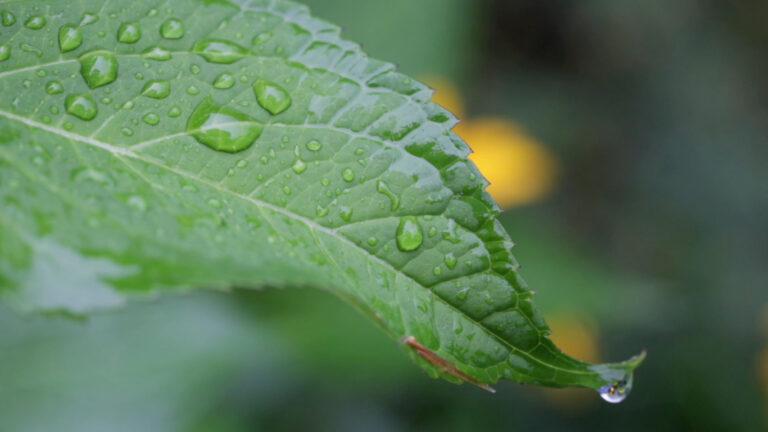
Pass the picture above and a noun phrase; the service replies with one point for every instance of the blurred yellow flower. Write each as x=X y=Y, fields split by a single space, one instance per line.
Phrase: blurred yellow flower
x=518 y=167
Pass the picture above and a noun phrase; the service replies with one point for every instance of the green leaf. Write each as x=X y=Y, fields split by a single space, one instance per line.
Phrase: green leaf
x=212 y=144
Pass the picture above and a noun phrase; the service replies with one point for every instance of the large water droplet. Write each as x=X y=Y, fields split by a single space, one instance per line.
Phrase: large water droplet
x=299 y=166
x=222 y=128
x=129 y=33
x=98 y=68
x=409 y=235
x=271 y=97
x=8 y=18
x=81 y=106
x=224 y=81
x=5 y=52
x=70 y=37
x=450 y=261
x=35 y=22
x=157 y=89
x=157 y=53
x=172 y=28
x=616 y=392
x=219 y=50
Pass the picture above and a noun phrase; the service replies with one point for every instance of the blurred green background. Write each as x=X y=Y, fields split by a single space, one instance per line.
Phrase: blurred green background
x=640 y=128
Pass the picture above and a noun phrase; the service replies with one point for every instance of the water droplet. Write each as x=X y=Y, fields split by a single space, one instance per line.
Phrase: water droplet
x=373 y=241
x=139 y=75
x=432 y=231
x=616 y=392
x=437 y=270
x=81 y=106
x=5 y=52
x=348 y=175
x=462 y=294
x=151 y=119
x=314 y=145
x=152 y=12
x=321 y=211
x=224 y=81
x=214 y=203
x=128 y=105
x=136 y=202
x=98 y=68
x=35 y=22
x=31 y=49
x=156 y=89
x=450 y=261
x=287 y=190
x=195 y=69
x=54 y=87
x=127 y=132
x=157 y=53
x=193 y=90
x=41 y=73
x=382 y=188
x=261 y=38
x=174 y=111
x=299 y=166
x=8 y=18
x=129 y=33
x=172 y=28
x=91 y=175
x=219 y=51
x=271 y=97
x=242 y=164
x=70 y=38
x=409 y=235
x=346 y=213
x=88 y=18
x=222 y=128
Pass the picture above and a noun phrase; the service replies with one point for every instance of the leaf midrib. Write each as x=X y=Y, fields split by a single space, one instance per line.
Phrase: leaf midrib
x=312 y=225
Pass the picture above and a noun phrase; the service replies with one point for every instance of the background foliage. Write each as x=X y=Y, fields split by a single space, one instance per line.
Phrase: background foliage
x=643 y=226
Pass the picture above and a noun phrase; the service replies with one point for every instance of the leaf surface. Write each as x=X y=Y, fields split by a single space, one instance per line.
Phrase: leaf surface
x=150 y=148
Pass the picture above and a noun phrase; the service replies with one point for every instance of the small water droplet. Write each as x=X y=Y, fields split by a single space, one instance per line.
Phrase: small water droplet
x=174 y=111
x=193 y=90
x=242 y=163
x=462 y=294
x=409 y=235
x=88 y=18
x=87 y=174
x=5 y=52
x=172 y=28
x=222 y=128
x=271 y=97
x=156 y=89
x=299 y=166
x=314 y=145
x=224 y=81
x=139 y=75
x=214 y=203
x=81 y=106
x=450 y=261
x=127 y=131
x=129 y=33
x=219 y=51
x=70 y=38
x=35 y=22
x=382 y=188
x=136 y=202
x=261 y=38
x=346 y=213
x=8 y=18
x=437 y=270
x=157 y=53
x=106 y=100
x=287 y=190
x=373 y=241
x=151 y=119
x=41 y=73
x=325 y=181
x=98 y=68
x=616 y=392
x=152 y=12
x=348 y=175
x=321 y=211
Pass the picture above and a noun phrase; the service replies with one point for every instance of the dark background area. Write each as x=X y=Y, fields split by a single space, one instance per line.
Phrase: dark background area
x=654 y=237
